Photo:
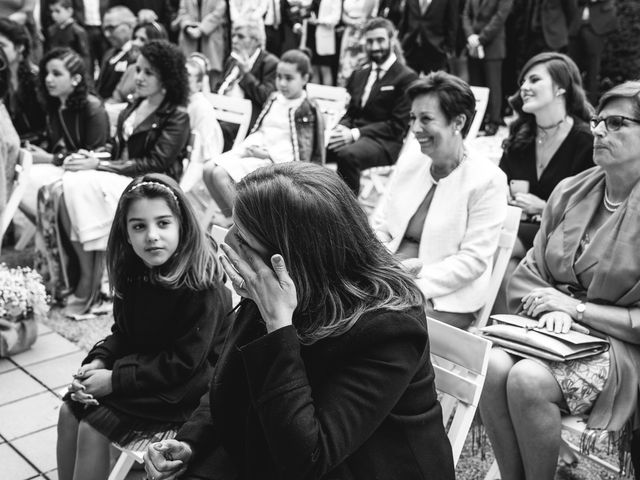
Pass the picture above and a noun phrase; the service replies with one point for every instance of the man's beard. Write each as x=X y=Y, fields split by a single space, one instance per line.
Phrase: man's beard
x=379 y=56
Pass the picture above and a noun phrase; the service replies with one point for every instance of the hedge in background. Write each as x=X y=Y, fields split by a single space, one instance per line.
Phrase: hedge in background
x=622 y=52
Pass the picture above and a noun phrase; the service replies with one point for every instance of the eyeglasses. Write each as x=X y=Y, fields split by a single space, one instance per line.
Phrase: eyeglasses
x=110 y=28
x=612 y=123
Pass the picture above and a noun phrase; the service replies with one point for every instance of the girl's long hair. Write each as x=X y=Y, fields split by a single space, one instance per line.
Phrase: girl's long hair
x=193 y=265
x=75 y=66
x=341 y=271
x=564 y=74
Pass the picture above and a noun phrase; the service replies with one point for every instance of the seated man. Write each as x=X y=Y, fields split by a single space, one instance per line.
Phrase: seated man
x=372 y=130
x=249 y=72
x=117 y=26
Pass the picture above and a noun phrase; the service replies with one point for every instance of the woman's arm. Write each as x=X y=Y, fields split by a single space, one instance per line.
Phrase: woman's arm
x=487 y=208
x=312 y=430
x=97 y=128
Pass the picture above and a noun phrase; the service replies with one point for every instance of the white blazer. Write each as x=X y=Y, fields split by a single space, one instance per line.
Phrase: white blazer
x=461 y=231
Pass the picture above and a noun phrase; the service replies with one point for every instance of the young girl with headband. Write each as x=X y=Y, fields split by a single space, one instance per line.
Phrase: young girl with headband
x=170 y=316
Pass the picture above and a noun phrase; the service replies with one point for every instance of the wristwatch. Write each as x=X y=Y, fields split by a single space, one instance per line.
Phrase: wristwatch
x=580 y=308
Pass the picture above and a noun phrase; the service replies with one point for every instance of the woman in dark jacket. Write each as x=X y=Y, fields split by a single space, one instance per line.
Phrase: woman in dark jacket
x=151 y=137
x=23 y=101
x=326 y=371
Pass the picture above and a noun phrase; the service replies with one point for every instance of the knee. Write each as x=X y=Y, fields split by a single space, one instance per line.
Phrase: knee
x=528 y=382
x=500 y=364
x=66 y=418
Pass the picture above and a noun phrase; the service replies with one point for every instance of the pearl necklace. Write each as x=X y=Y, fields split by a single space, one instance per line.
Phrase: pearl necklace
x=437 y=177
x=608 y=204
x=545 y=132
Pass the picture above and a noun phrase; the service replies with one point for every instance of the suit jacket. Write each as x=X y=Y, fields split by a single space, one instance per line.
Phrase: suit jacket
x=602 y=16
x=461 y=231
x=157 y=145
x=556 y=16
x=257 y=84
x=357 y=406
x=163 y=9
x=437 y=26
x=212 y=16
x=113 y=66
x=486 y=18
x=385 y=116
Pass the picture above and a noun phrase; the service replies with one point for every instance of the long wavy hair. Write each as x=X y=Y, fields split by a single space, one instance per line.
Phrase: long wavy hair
x=75 y=66
x=193 y=265
x=340 y=270
x=564 y=74
x=19 y=36
x=169 y=61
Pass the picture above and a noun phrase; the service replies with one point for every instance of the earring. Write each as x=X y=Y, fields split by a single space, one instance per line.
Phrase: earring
x=457 y=132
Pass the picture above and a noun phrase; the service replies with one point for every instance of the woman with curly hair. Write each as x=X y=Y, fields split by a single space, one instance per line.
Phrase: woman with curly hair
x=75 y=119
x=22 y=100
x=151 y=137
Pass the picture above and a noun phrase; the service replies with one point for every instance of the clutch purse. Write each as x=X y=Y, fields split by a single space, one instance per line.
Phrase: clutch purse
x=521 y=336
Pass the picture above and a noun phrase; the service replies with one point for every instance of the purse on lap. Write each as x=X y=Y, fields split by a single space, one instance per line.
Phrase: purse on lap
x=521 y=336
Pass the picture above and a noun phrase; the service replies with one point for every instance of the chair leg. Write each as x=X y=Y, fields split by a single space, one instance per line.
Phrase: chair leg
x=122 y=467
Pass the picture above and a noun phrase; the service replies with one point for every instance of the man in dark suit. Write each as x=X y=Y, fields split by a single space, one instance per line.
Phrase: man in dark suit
x=597 y=18
x=372 y=130
x=483 y=22
x=428 y=32
x=547 y=25
x=249 y=72
x=117 y=26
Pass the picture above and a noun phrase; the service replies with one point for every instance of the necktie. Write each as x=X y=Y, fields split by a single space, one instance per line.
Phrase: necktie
x=373 y=78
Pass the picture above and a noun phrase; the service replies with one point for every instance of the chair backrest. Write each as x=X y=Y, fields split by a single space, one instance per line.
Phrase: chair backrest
x=331 y=100
x=460 y=360
x=22 y=169
x=482 y=99
x=232 y=110
x=501 y=258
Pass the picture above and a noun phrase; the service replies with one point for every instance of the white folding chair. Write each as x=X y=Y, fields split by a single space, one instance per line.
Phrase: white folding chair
x=482 y=99
x=460 y=360
x=19 y=185
x=332 y=101
x=501 y=258
x=232 y=110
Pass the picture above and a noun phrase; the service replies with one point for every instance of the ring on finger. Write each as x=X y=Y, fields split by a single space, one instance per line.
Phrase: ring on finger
x=242 y=284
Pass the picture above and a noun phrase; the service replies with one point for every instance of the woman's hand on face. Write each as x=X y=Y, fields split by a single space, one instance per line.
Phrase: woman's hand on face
x=98 y=382
x=529 y=203
x=270 y=287
x=548 y=299
x=167 y=459
x=559 y=322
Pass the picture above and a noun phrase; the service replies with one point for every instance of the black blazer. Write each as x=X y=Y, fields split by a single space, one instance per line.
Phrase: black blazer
x=486 y=18
x=556 y=16
x=157 y=145
x=258 y=84
x=602 y=16
x=114 y=64
x=385 y=116
x=358 y=406
x=437 y=26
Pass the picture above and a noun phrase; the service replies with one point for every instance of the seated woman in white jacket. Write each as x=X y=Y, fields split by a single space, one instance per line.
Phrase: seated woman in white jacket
x=444 y=209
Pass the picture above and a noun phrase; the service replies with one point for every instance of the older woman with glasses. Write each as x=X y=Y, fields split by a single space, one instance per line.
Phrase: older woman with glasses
x=583 y=269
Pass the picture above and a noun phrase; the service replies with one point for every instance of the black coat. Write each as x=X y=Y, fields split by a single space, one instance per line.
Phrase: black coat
x=157 y=145
x=161 y=348
x=361 y=405
x=385 y=116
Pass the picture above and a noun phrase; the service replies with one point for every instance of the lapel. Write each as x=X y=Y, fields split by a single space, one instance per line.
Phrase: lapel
x=257 y=65
x=152 y=119
x=573 y=230
x=388 y=75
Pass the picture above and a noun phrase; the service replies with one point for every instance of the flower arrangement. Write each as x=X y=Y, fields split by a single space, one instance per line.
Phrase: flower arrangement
x=22 y=294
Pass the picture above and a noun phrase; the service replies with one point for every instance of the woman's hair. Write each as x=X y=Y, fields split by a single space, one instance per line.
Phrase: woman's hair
x=75 y=66
x=168 y=60
x=154 y=30
x=5 y=75
x=629 y=90
x=454 y=96
x=19 y=36
x=306 y=213
x=300 y=59
x=193 y=265
x=564 y=74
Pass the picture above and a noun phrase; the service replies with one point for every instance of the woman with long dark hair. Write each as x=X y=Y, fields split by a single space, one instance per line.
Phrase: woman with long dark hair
x=326 y=370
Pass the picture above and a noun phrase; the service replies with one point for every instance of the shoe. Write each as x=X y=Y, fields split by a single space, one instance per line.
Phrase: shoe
x=490 y=129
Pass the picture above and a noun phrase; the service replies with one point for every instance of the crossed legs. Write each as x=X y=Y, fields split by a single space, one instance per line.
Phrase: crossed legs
x=519 y=409
x=220 y=185
x=81 y=451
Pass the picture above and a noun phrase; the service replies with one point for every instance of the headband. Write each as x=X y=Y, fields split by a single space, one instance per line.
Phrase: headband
x=156 y=184
x=201 y=60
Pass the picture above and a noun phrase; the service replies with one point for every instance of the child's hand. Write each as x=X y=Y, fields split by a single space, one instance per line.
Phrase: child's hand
x=98 y=382
x=269 y=286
